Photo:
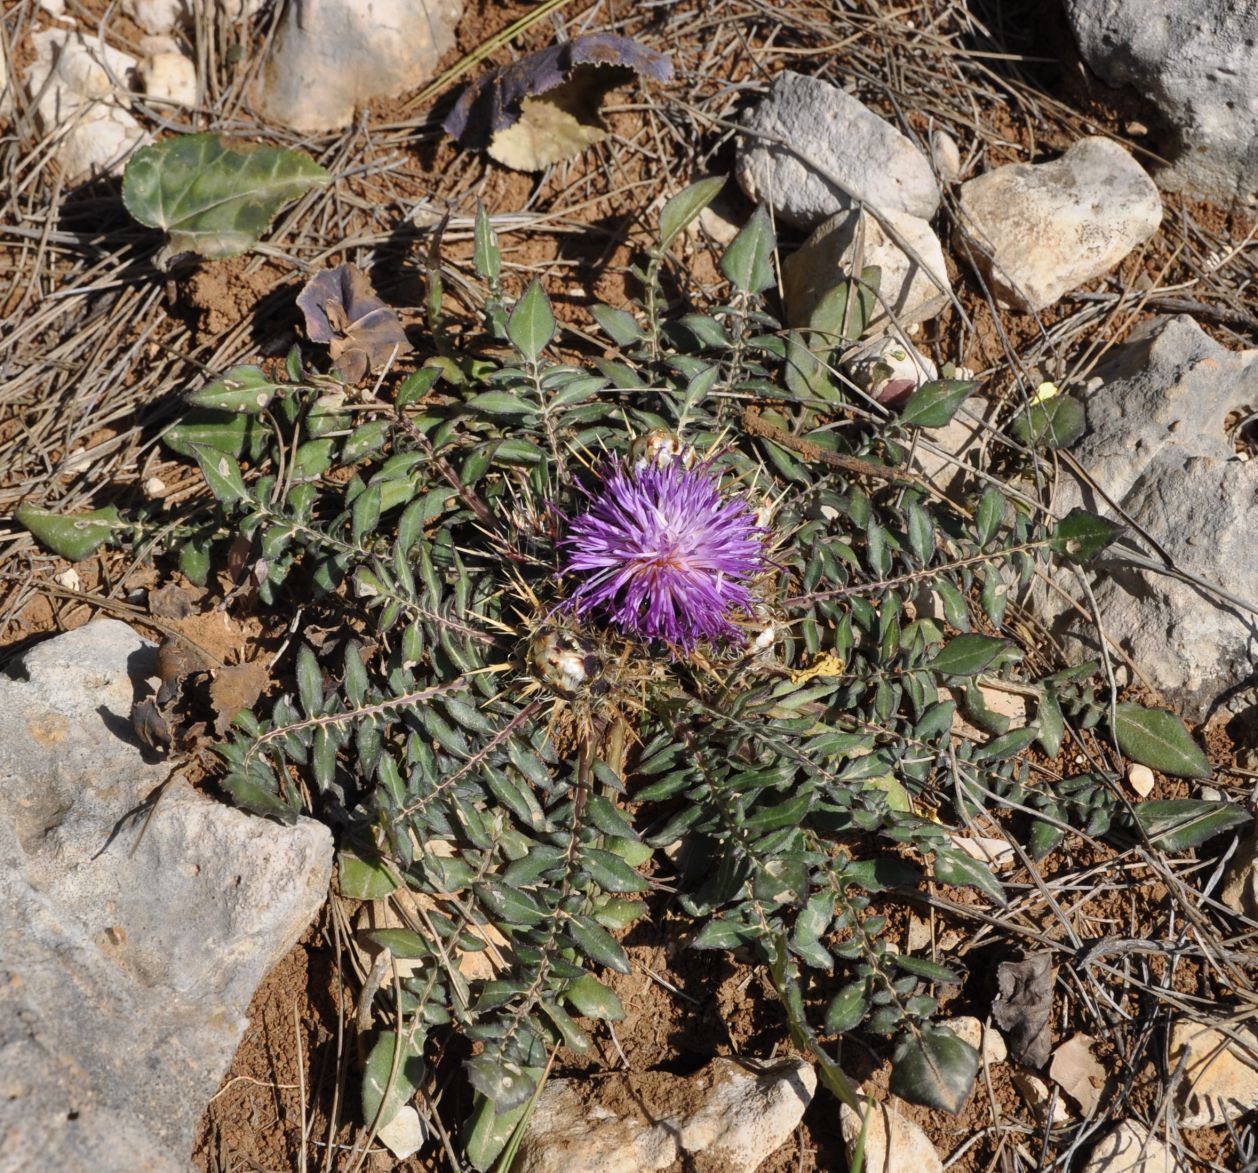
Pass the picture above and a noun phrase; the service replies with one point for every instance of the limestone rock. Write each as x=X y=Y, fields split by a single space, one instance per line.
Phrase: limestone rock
x=1196 y=63
x=332 y=56
x=1240 y=882
x=724 y=1117
x=986 y=1040
x=1157 y=444
x=1220 y=1076
x=126 y=962
x=165 y=16
x=837 y=145
x=166 y=74
x=946 y=155
x=828 y=258
x=1036 y=231
x=81 y=104
x=893 y=1143
x=1130 y=1149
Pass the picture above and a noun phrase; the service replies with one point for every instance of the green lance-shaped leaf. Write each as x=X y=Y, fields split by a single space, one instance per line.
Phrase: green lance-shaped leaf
x=748 y=262
x=934 y=404
x=243 y=389
x=487 y=257
x=1081 y=535
x=954 y=866
x=212 y=197
x=531 y=325
x=968 y=655
x=71 y=535
x=685 y=206
x=386 y=1090
x=222 y=474
x=1158 y=738
x=1177 y=824
x=933 y=1067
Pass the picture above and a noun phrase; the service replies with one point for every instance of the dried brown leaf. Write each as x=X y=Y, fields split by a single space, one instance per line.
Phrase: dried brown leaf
x=234 y=689
x=342 y=310
x=1076 y=1071
x=1024 y=1005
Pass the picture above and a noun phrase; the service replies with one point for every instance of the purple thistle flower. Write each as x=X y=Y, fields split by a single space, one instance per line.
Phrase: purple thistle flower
x=666 y=554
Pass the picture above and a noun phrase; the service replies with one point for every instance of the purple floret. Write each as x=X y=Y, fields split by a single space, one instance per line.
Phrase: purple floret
x=665 y=554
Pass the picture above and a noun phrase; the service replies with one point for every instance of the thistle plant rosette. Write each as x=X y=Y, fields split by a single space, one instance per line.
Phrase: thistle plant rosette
x=664 y=553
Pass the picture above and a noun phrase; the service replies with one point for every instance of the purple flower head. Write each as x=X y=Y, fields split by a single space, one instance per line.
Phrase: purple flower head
x=665 y=554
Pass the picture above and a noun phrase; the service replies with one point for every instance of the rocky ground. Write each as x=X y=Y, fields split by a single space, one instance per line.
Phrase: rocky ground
x=1060 y=198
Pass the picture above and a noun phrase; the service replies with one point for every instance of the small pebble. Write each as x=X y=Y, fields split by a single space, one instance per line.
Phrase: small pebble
x=1140 y=779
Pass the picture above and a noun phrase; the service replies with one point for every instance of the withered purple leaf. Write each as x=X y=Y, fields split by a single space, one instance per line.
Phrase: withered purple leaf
x=545 y=107
x=1024 y=1005
x=342 y=310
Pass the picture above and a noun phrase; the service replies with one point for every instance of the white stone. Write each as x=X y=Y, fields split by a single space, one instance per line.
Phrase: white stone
x=1197 y=63
x=1038 y=230
x=725 y=1116
x=907 y=291
x=987 y=1040
x=404 y=1135
x=127 y=959
x=988 y=849
x=332 y=56
x=1240 y=882
x=169 y=77
x=821 y=150
x=1140 y=779
x=1038 y=1097
x=164 y=16
x=946 y=155
x=81 y=104
x=1158 y=445
x=893 y=1143
x=1220 y=1080
x=1130 y=1149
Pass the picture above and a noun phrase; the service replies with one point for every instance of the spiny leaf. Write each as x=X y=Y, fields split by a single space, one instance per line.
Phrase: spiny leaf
x=212 y=197
x=1158 y=738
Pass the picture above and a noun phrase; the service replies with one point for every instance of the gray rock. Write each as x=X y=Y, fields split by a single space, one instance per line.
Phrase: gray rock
x=126 y=966
x=332 y=56
x=1197 y=63
x=827 y=259
x=1157 y=445
x=723 y=1117
x=839 y=150
x=1038 y=230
